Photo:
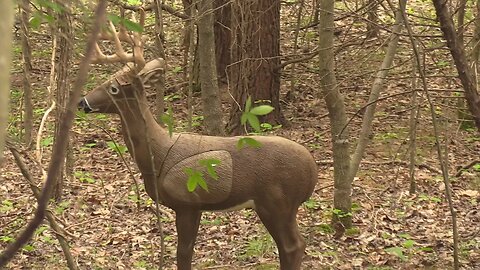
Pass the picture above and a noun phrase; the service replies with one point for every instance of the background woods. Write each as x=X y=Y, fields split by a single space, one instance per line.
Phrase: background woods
x=383 y=94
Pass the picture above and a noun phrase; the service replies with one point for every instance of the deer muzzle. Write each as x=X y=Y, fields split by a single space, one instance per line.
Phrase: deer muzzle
x=83 y=105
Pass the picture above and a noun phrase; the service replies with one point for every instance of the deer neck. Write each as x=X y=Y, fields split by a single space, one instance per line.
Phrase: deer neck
x=145 y=139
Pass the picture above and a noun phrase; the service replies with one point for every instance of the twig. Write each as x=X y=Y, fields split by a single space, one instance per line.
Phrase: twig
x=444 y=168
x=460 y=170
x=59 y=232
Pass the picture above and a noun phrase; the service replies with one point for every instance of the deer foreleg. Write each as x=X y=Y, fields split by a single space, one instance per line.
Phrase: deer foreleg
x=187 y=223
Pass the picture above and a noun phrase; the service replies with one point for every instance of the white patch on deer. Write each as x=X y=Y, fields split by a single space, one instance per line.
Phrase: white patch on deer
x=247 y=204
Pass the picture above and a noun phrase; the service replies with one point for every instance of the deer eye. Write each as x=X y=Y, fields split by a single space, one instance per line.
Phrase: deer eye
x=113 y=90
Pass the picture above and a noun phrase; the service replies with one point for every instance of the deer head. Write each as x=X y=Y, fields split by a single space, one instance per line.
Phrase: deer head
x=274 y=179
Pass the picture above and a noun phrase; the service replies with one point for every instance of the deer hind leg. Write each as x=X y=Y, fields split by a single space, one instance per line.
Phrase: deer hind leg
x=280 y=221
x=187 y=222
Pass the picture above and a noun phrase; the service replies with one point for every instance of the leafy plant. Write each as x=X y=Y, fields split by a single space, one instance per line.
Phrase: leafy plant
x=341 y=214
x=195 y=176
x=6 y=206
x=312 y=204
x=119 y=149
x=167 y=119
x=258 y=246
x=250 y=114
x=84 y=177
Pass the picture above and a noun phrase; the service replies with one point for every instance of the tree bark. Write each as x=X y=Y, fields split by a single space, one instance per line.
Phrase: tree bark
x=255 y=58
x=459 y=57
x=338 y=118
x=27 y=70
x=377 y=87
x=64 y=37
x=6 y=26
x=223 y=36
x=212 y=110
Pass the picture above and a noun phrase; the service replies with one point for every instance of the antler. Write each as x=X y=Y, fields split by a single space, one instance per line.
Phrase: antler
x=121 y=56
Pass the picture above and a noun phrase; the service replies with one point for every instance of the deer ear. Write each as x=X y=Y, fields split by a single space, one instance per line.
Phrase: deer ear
x=137 y=84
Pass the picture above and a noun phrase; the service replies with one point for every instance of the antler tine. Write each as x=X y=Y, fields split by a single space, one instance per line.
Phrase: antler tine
x=120 y=56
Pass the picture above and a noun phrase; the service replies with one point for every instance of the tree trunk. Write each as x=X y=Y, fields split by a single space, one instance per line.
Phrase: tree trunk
x=65 y=38
x=6 y=26
x=372 y=23
x=212 y=111
x=159 y=39
x=27 y=70
x=338 y=118
x=255 y=54
x=223 y=36
x=458 y=54
x=377 y=87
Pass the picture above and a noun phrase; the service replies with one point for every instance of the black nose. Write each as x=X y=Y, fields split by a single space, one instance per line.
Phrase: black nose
x=83 y=105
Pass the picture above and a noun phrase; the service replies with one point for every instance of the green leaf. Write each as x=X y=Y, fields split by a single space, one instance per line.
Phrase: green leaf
x=119 y=149
x=28 y=248
x=397 y=251
x=248 y=104
x=132 y=26
x=262 y=110
x=408 y=243
x=247 y=141
x=201 y=182
x=35 y=21
x=210 y=164
x=243 y=118
x=167 y=119
x=115 y=19
x=195 y=178
x=254 y=122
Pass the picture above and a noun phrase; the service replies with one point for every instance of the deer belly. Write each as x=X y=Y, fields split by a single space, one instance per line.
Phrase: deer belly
x=196 y=168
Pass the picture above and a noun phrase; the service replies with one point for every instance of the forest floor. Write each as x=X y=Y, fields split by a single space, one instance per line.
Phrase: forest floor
x=109 y=227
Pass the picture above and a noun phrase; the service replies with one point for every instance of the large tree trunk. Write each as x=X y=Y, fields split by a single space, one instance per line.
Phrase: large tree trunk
x=223 y=36
x=65 y=38
x=338 y=118
x=255 y=58
x=458 y=54
x=212 y=111
x=6 y=26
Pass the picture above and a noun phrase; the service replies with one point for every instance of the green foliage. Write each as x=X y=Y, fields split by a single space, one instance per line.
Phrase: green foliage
x=172 y=97
x=312 y=204
x=396 y=251
x=326 y=228
x=6 y=206
x=210 y=164
x=128 y=24
x=195 y=178
x=247 y=141
x=167 y=119
x=250 y=114
x=177 y=69
x=119 y=149
x=6 y=238
x=352 y=231
x=48 y=141
x=258 y=246
x=60 y=207
x=476 y=167
x=84 y=177
x=341 y=214
x=424 y=197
